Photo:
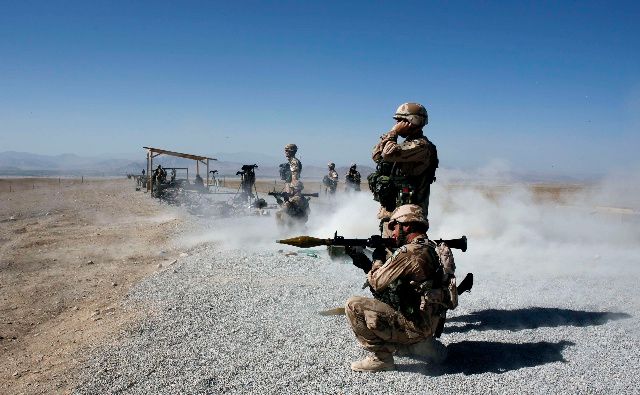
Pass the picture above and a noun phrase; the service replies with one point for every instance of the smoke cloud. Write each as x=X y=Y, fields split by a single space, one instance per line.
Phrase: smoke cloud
x=510 y=227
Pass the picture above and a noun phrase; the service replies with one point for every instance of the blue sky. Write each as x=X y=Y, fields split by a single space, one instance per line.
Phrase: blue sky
x=548 y=87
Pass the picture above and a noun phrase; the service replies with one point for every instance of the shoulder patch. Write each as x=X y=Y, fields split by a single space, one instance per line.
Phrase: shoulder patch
x=399 y=250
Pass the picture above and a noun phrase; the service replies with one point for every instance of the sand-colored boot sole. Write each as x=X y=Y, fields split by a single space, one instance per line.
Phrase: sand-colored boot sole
x=366 y=366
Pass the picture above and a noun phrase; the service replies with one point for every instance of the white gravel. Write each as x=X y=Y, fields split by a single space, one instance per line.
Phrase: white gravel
x=246 y=321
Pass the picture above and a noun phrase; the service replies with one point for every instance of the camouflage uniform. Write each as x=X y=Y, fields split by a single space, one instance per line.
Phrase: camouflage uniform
x=376 y=324
x=296 y=169
x=352 y=179
x=415 y=159
x=408 y=291
x=295 y=210
x=412 y=158
x=331 y=180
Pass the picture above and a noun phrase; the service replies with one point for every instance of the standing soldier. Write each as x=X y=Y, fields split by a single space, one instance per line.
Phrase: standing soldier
x=290 y=172
x=352 y=179
x=412 y=287
x=404 y=171
x=330 y=181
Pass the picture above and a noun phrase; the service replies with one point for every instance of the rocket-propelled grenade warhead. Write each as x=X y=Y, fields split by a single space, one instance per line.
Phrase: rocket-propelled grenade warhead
x=305 y=241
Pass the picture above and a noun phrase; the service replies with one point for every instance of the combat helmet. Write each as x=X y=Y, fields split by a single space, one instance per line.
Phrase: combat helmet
x=413 y=113
x=408 y=213
x=291 y=148
x=331 y=165
x=353 y=166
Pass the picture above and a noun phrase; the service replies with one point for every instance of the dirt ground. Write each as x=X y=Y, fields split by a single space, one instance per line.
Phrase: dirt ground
x=69 y=251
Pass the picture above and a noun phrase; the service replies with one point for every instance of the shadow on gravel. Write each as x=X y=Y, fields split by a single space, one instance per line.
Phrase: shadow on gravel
x=530 y=318
x=477 y=357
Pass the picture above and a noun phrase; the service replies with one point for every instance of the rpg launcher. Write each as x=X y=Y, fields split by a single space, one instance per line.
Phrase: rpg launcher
x=374 y=241
x=282 y=197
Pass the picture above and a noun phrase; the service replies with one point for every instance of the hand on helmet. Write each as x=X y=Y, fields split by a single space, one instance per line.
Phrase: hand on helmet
x=401 y=128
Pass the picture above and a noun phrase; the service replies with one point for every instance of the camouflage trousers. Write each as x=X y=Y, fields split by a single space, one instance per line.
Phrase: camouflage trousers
x=380 y=328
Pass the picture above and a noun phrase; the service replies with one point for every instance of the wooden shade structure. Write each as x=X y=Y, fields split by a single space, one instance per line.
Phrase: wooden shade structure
x=153 y=152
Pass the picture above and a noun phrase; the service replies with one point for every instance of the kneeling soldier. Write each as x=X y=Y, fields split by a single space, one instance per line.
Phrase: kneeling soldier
x=409 y=289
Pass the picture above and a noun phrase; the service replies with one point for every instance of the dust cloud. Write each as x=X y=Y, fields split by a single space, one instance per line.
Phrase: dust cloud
x=510 y=226
x=591 y=228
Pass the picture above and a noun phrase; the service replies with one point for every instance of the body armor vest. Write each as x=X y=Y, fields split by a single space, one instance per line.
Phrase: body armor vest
x=392 y=188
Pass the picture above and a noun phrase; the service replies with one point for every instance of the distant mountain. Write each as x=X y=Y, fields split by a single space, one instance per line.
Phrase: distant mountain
x=27 y=164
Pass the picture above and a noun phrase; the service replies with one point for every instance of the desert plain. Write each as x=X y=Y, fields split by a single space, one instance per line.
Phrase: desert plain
x=104 y=289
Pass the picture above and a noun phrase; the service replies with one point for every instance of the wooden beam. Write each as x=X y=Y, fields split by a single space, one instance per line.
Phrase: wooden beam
x=160 y=151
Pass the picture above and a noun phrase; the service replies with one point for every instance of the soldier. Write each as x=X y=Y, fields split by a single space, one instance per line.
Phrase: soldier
x=294 y=210
x=330 y=181
x=352 y=179
x=142 y=178
x=160 y=174
x=409 y=289
x=290 y=172
x=404 y=171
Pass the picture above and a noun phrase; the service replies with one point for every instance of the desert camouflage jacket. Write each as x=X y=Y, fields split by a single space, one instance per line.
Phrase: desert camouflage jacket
x=415 y=261
x=296 y=168
x=395 y=281
x=413 y=156
x=333 y=175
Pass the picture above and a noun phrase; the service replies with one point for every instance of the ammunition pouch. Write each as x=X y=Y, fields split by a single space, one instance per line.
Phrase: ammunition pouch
x=432 y=309
x=434 y=303
x=452 y=293
x=402 y=297
x=448 y=268
x=390 y=188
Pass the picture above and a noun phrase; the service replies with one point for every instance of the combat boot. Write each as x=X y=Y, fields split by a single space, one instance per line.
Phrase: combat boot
x=376 y=362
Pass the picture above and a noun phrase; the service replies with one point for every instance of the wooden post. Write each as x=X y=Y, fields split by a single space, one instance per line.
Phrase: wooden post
x=82 y=180
x=207 y=174
x=150 y=184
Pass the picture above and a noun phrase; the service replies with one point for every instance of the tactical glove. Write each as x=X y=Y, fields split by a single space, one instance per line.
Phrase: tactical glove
x=359 y=258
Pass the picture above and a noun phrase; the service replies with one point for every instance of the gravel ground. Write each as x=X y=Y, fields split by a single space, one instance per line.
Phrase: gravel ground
x=231 y=320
